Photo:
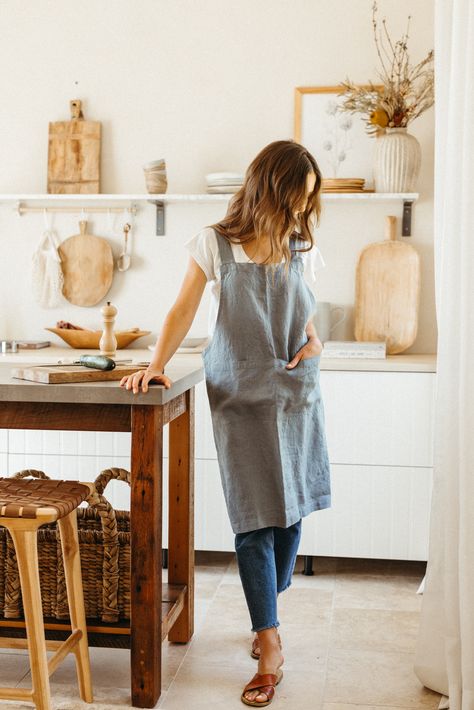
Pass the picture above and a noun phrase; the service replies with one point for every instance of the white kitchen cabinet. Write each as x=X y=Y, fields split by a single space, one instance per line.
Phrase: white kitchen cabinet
x=379 y=426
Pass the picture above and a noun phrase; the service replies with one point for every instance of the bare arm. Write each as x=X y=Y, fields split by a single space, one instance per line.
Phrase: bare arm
x=180 y=317
x=176 y=324
x=311 y=330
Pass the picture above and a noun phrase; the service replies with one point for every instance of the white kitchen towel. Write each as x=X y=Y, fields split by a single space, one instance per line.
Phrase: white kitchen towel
x=46 y=272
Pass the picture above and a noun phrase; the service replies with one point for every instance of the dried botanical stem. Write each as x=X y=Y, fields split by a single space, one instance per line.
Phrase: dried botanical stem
x=408 y=90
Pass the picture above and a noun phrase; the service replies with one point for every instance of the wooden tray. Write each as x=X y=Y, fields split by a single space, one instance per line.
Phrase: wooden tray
x=89 y=339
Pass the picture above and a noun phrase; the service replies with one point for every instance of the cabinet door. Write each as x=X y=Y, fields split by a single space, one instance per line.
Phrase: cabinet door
x=381 y=418
x=212 y=527
x=376 y=512
x=204 y=439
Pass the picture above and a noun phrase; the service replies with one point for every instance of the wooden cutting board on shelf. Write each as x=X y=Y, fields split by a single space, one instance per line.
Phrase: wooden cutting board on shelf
x=388 y=292
x=60 y=374
x=74 y=154
x=87 y=264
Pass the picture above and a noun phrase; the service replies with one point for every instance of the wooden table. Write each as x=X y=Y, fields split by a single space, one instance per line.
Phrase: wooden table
x=157 y=610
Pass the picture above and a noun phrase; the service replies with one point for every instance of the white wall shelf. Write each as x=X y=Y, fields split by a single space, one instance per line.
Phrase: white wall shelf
x=103 y=202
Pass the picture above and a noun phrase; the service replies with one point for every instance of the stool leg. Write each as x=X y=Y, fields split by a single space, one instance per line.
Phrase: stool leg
x=72 y=573
x=25 y=542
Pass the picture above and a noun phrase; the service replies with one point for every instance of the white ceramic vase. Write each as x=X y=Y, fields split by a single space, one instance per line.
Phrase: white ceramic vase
x=397 y=160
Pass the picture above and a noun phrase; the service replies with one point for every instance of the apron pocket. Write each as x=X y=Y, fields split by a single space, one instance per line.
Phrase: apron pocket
x=297 y=390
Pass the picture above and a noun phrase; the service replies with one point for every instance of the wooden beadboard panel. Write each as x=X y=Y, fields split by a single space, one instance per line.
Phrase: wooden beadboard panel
x=69 y=443
x=379 y=418
x=376 y=512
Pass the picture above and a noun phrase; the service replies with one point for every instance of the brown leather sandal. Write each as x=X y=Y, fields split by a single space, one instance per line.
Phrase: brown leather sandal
x=254 y=653
x=265 y=684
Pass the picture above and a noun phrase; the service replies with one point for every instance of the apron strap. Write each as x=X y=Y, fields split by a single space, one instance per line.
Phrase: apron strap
x=294 y=243
x=225 y=249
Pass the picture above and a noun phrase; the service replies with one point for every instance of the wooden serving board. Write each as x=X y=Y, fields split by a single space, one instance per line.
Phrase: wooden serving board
x=74 y=154
x=54 y=375
x=388 y=293
x=87 y=264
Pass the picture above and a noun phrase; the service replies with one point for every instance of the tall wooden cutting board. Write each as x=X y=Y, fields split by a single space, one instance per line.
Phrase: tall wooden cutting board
x=88 y=265
x=388 y=292
x=74 y=154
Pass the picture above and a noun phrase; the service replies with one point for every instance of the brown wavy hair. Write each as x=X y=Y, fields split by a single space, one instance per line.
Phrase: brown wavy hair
x=274 y=187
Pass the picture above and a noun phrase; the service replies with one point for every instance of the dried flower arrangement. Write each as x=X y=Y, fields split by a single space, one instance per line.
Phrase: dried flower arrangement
x=406 y=92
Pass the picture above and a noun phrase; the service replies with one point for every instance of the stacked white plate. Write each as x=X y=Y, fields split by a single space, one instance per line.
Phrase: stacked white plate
x=223 y=182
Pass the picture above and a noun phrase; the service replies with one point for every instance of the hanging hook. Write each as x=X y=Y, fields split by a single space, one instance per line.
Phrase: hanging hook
x=110 y=224
x=47 y=221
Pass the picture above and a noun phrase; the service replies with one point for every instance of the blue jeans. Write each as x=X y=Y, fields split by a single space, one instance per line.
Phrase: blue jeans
x=266 y=559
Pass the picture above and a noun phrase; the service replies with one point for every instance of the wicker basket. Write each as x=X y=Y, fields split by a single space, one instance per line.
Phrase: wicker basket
x=104 y=540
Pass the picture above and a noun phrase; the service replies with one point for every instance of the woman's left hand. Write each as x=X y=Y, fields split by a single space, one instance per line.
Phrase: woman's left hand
x=312 y=348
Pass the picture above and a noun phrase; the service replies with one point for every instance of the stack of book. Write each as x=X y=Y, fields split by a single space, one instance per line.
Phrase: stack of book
x=354 y=349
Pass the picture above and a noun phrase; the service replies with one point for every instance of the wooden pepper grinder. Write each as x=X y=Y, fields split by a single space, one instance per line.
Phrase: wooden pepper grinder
x=108 y=341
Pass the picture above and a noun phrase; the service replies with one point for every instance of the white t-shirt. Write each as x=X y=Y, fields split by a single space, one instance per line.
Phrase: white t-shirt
x=204 y=249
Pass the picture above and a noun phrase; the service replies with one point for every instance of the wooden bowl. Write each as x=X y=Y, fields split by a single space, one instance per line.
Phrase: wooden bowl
x=89 y=339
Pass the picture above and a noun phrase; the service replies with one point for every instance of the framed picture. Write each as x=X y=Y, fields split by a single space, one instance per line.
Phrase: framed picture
x=338 y=140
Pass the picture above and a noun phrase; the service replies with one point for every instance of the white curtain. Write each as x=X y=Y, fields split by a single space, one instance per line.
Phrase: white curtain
x=444 y=658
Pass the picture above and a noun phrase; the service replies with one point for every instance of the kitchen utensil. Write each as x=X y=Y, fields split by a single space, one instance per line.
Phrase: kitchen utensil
x=46 y=272
x=62 y=374
x=388 y=292
x=123 y=262
x=108 y=341
x=88 y=266
x=74 y=154
x=323 y=319
x=98 y=362
x=89 y=339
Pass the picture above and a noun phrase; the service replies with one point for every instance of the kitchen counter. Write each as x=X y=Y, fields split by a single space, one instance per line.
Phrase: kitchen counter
x=183 y=365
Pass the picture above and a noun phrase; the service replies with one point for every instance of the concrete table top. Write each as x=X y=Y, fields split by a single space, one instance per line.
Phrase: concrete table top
x=184 y=371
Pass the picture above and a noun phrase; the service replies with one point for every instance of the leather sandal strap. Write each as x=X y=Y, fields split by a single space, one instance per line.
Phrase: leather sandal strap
x=265 y=682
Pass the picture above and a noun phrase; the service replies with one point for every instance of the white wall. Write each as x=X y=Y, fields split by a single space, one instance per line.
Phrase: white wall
x=205 y=85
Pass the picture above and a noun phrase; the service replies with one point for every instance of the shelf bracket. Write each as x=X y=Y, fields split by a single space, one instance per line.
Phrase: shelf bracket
x=160 y=217
x=406 y=220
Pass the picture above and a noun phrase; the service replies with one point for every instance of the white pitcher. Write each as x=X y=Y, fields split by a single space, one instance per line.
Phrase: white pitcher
x=323 y=319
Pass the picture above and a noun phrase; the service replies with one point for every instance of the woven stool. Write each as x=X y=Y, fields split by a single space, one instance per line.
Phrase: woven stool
x=25 y=505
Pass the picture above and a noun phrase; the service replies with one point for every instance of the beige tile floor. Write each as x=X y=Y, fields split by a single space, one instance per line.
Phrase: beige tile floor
x=348 y=632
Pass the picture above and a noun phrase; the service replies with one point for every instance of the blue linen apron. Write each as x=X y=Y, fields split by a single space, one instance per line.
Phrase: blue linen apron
x=268 y=422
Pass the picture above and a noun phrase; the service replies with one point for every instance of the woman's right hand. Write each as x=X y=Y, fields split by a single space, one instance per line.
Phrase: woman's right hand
x=143 y=378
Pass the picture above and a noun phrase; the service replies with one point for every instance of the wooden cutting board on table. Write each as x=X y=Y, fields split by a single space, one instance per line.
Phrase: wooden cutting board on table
x=87 y=263
x=388 y=292
x=59 y=374
x=74 y=154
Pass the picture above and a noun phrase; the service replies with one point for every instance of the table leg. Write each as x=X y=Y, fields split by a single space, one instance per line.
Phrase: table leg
x=181 y=516
x=145 y=528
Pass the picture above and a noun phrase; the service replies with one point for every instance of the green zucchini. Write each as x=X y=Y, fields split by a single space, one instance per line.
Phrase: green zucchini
x=99 y=362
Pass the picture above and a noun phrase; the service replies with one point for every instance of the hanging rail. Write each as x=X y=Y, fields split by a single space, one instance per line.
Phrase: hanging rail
x=22 y=209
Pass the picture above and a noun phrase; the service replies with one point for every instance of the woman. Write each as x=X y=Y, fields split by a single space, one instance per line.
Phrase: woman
x=262 y=377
